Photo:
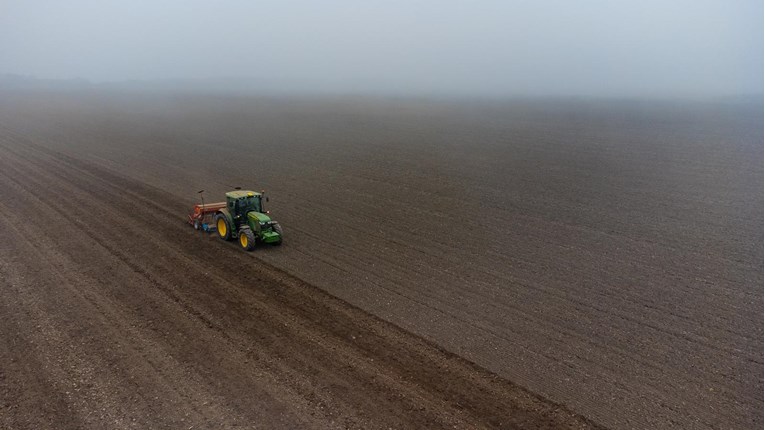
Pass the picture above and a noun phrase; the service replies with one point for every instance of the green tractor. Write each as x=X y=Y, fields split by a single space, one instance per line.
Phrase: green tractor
x=243 y=217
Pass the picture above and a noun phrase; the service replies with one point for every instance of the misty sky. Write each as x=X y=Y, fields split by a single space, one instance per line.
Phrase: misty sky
x=556 y=47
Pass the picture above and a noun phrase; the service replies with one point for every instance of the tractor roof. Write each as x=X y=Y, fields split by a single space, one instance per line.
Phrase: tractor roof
x=241 y=193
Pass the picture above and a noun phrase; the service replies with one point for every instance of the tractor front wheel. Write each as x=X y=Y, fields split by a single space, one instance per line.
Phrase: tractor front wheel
x=247 y=239
x=224 y=230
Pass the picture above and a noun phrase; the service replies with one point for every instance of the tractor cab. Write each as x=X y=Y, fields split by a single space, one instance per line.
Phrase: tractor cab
x=240 y=202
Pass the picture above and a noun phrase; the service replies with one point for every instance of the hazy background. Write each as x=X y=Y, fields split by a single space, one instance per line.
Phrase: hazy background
x=495 y=48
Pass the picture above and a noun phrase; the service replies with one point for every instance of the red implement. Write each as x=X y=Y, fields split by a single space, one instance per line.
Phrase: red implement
x=202 y=216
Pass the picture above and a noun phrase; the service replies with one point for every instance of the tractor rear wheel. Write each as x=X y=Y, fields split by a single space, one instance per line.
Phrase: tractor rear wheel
x=247 y=239
x=224 y=229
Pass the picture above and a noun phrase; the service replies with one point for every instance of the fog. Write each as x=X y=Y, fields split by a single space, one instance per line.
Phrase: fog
x=489 y=48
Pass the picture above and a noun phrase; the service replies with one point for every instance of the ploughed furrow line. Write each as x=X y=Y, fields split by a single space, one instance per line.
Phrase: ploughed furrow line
x=156 y=326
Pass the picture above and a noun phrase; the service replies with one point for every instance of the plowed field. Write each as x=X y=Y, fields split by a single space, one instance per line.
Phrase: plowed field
x=530 y=264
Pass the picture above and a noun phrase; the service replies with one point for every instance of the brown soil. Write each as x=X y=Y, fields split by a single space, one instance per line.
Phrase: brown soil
x=606 y=257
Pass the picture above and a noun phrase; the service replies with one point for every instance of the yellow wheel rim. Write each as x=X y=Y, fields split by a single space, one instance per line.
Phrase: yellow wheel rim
x=222 y=227
x=243 y=240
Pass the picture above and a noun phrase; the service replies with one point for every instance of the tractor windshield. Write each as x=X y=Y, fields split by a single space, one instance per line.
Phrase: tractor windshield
x=251 y=203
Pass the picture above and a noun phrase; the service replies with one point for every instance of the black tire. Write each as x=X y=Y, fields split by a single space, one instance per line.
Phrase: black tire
x=226 y=233
x=247 y=239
